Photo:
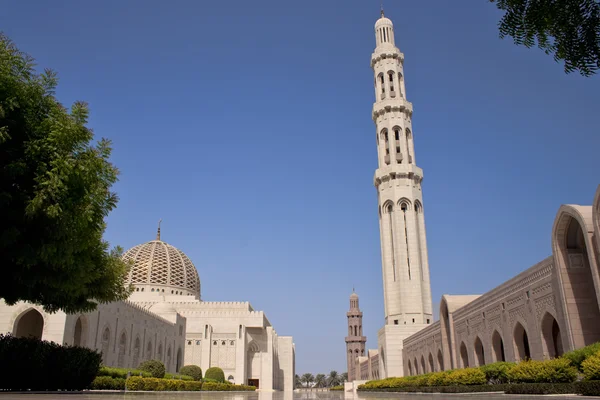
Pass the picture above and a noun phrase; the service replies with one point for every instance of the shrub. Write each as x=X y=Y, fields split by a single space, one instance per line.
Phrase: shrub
x=192 y=370
x=179 y=377
x=336 y=388
x=588 y=388
x=122 y=372
x=438 y=378
x=32 y=364
x=466 y=376
x=136 y=383
x=108 y=383
x=215 y=373
x=541 y=388
x=558 y=370
x=578 y=356
x=154 y=367
x=497 y=372
x=591 y=368
x=442 y=389
x=224 y=387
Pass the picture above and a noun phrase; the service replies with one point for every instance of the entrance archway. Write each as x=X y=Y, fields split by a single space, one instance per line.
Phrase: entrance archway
x=522 y=351
x=498 y=347
x=30 y=324
x=464 y=356
x=80 y=332
x=551 y=338
x=479 y=352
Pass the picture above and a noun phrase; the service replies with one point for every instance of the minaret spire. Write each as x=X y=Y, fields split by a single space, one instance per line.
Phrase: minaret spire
x=382 y=15
x=158 y=232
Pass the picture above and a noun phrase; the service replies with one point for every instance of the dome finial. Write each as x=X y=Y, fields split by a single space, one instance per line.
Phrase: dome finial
x=158 y=232
x=382 y=10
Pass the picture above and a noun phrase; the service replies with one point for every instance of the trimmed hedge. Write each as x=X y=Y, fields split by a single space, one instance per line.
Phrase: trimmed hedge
x=541 y=388
x=155 y=367
x=442 y=389
x=336 y=388
x=226 y=387
x=122 y=372
x=180 y=377
x=466 y=376
x=136 y=383
x=215 y=373
x=578 y=356
x=557 y=370
x=588 y=388
x=32 y=364
x=192 y=370
x=108 y=383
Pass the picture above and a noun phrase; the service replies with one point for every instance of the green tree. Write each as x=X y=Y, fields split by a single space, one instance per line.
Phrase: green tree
x=569 y=30
x=308 y=378
x=334 y=379
x=297 y=381
x=54 y=195
x=320 y=380
x=344 y=377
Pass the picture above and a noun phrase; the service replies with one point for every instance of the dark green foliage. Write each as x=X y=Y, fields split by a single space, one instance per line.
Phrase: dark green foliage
x=154 y=367
x=55 y=192
x=215 y=373
x=122 y=372
x=578 y=356
x=588 y=388
x=541 y=388
x=136 y=383
x=441 y=389
x=31 y=364
x=192 y=370
x=108 y=383
x=225 y=387
x=557 y=370
x=497 y=372
x=567 y=29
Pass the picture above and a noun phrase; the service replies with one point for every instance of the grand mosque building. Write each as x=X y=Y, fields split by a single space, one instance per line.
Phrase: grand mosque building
x=165 y=319
x=550 y=308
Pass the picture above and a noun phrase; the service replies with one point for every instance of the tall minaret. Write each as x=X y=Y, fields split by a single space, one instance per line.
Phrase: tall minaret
x=355 y=341
x=406 y=287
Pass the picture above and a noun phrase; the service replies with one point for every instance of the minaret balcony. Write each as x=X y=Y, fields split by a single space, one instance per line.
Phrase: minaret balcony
x=355 y=339
x=391 y=105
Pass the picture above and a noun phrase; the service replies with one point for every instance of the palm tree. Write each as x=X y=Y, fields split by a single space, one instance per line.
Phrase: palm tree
x=334 y=378
x=298 y=381
x=308 y=378
x=320 y=381
x=344 y=377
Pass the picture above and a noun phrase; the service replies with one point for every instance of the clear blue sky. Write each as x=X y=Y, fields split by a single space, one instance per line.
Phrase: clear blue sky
x=246 y=126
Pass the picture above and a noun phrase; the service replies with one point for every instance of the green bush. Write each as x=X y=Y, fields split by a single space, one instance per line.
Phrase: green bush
x=179 y=377
x=154 y=367
x=192 y=370
x=136 y=383
x=465 y=376
x=122 y=372
x=336 y=388
x=215 y=373
x=32 y=364
x=224 y=387
x=578 y=356
x=108 y=383
x=441 y=389
x=591 y=368
x=541 y=388
x=438 y=378
x=588 y=388
x=558 y=370
x=497 y=372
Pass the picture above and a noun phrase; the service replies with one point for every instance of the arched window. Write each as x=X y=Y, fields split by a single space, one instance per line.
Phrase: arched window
x=398 y=144
x=136 y=352
x=404 y=208
x=498 y=347
x=122 y=347
x=409 y=145
x=391 y=81
x=105 y=344
x=386 y=139
x=149 y=348
x=382 y=85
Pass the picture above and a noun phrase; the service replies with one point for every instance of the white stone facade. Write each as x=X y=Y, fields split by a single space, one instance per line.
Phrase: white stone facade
x=165 y=319
x=551 y=308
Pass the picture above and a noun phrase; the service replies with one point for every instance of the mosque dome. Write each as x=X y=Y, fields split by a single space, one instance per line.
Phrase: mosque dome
x=354 y=296
x=160 y=267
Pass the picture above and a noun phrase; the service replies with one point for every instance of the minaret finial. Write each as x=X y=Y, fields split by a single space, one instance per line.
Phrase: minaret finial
x=158 y=232
x=382 y=10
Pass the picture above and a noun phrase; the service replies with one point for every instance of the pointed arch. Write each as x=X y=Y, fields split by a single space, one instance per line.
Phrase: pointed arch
x=30 y=323
x=80 y=331
x=105 y=344
x=122 y=349
x=498 y=347
x=440 y=360
x=416 y=364
x=137 y=347
x=464 y=356
x=431 y=364
x=551 y=336
x=149 y=352
x=479 y=352
x=521 y=343
x=410 y=371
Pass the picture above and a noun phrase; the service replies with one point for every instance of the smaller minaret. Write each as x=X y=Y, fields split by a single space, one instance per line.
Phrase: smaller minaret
x=355 y=341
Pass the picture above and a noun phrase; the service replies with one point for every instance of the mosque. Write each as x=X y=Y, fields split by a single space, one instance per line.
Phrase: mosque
x=165 y=319
x=550 y=308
